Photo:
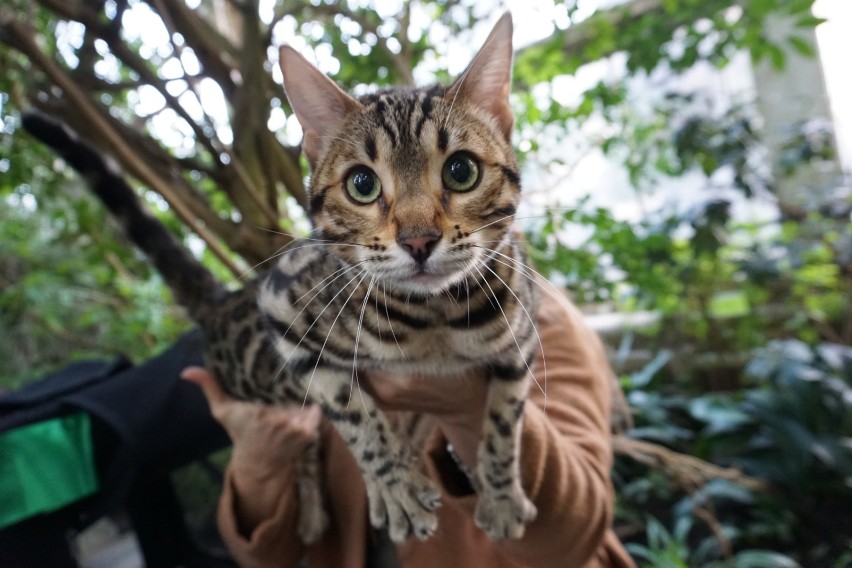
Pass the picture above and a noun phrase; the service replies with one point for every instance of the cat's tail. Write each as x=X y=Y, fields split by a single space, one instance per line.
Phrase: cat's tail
x=193 y=286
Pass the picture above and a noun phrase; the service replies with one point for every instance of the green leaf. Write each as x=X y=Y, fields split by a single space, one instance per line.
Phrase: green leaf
x=719 y=414
x=809 y=21
x=763 y=559
x=802 y=46
x=729 y=304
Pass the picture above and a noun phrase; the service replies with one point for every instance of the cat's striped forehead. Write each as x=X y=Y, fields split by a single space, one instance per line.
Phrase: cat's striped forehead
x=401 y=114
x=404 y=128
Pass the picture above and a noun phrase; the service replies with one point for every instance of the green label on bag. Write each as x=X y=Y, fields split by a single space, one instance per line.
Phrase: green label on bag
x=45 y=466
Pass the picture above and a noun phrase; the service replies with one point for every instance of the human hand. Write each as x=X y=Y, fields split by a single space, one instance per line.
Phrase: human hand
x=458 y=403
x=266 y=439
x=459 y=399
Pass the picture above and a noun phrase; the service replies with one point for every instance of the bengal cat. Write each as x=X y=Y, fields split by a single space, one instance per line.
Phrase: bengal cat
x=413 y=268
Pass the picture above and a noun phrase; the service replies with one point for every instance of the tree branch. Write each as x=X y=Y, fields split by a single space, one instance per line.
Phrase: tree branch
x=23 y=40
x=688 y=471
x=244 y=187
x=217 y=55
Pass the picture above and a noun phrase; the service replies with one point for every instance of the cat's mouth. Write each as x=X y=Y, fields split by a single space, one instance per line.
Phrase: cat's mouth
x=429 y=278
x=423 y=277
x=420 y=274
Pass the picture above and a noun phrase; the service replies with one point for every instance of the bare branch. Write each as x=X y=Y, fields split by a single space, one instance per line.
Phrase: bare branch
x=217 y=55
x=690 y=472
x=23 y=39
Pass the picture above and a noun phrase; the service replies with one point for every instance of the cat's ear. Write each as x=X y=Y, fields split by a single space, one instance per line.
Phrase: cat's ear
x=487 y=81
x=319 y=104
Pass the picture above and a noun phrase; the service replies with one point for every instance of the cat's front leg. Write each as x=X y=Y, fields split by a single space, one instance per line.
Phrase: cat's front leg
x=502 y=509
x=400 y=496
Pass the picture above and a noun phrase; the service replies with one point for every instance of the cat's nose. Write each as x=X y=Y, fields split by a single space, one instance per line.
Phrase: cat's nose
x=419 y=245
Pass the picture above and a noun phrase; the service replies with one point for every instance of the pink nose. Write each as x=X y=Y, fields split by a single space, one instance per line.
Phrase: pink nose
x=419 y=245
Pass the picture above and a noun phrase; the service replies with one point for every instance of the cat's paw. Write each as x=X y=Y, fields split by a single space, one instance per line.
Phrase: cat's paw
x=504 y=515
x=404 y=501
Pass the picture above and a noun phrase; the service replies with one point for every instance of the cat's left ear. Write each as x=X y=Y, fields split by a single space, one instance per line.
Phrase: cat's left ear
x=487 y=81
x=320 y=105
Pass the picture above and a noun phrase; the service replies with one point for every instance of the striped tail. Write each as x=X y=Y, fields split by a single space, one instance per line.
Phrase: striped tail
x=193 y=286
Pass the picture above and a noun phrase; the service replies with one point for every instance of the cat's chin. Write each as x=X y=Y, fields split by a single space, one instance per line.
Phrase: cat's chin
x=426 y=283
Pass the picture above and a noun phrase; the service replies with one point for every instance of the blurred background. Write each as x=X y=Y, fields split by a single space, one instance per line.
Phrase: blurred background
x=686 y=175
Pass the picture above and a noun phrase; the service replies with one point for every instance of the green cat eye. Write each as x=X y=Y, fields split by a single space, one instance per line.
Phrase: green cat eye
x=460 y=173
x=363 y=185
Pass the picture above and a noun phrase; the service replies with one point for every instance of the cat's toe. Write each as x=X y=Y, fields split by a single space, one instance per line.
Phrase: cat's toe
x=407 y=503
x=428 y=496
x=425 y=525
x=409 y=518
x=399 y=527
x=504 y=516
x=411 y=522
x=377 y=506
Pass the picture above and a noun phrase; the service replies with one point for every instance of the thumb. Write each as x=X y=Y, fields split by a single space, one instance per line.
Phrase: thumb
x=309 y=418
x=203 y=378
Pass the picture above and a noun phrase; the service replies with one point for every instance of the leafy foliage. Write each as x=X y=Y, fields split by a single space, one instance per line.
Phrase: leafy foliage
x=790 y=426
x=673 y=550
x=65 y=275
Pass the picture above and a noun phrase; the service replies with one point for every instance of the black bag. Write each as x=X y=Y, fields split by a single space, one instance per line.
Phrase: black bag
x=144 y=422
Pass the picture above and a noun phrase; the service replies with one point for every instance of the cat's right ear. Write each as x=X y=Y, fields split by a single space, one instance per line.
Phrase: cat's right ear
x=487 y=81
x=319 y=104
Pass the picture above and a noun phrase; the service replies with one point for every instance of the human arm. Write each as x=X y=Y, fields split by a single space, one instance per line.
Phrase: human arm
x=258 y=510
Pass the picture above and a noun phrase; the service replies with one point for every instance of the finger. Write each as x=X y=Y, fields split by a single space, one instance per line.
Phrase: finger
x=384 y=387
x=307 y=421
x=402 y=392
x=310 y=424
x=312 y=417
x=214 y=394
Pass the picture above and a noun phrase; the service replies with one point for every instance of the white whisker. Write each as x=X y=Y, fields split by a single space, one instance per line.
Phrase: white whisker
x=551 y=289
x=535 y=330
x=363 y=274
x=390 y=324
x=467 y=290
x=285 y=250
x=340 y=273
x=276 y=254
x=554 y=291
x=525 y=217
x=511 y=331
x=293 y=351
x=354 y=380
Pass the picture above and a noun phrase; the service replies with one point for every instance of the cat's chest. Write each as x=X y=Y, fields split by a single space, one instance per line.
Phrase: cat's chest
x=437 y=349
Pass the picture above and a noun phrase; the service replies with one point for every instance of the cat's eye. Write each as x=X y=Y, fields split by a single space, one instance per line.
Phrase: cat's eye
x=363 y=185
x=460 y=173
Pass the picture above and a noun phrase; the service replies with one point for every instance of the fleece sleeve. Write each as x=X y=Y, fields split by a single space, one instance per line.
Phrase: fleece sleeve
x=273 y=543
